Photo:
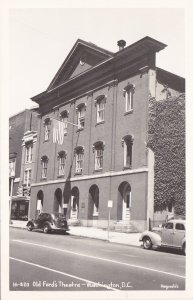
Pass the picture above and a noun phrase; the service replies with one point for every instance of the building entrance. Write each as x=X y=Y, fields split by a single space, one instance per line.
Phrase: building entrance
x=74 y=207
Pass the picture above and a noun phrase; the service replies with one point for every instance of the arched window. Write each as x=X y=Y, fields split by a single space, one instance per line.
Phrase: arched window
x=46 y=124
x=44 y=161
x=61 y=163
x=64 y=118
x=79 y=154
x=127 y=143
x=98 y=149
x=81 y=109
x=128 y=94
x=100 y=105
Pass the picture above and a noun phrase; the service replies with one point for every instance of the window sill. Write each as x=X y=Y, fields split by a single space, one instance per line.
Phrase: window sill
x=80 y=129
x=78 y=173
x=101 y=122
x=46 y=141
x=98 y=170
x=127 y=167
x=60 y=176
x=128 y=112
x=43 y=179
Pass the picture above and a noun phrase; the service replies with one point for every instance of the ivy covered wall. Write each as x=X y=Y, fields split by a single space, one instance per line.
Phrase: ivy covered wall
x=166 y=138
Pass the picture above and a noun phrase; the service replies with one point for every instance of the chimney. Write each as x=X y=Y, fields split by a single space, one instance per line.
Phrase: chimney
x=121 y=44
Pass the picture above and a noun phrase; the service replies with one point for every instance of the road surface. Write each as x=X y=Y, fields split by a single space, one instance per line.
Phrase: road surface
x=49 y=262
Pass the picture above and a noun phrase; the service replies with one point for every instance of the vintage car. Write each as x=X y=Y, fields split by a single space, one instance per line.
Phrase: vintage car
x=49 y=222
x=170 y=234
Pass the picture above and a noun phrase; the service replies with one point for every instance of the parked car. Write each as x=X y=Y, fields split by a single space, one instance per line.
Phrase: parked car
x=171 y=234
x=49 y=222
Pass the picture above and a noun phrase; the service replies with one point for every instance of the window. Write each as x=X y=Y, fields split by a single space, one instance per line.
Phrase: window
x=28 y=153
x=46 y=129
x=44 y=166
x=81 y=115
x=79 y=153
x=98 y=148
x=27 y=177
x=128 y=93
x=100 y=103
x=64 y=119
x=169 y=226
x=180 y=226
x=61 y=165
x=127 y=144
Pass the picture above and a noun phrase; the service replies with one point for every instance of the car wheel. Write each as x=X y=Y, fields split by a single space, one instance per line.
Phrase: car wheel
x=30 y=227
x=147 y=243
x=46 y=229
x=184 y=248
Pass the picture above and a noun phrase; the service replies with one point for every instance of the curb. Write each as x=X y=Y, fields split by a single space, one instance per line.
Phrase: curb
x=88 y=237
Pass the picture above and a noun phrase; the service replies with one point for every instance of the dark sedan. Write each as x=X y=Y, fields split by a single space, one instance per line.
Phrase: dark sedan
x=49 y=222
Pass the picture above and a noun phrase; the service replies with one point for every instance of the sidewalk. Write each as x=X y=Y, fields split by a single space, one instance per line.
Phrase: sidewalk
x=130 y=239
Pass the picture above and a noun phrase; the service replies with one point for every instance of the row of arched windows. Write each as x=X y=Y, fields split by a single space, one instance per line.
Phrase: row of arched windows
x=100 y=102
x=98 y=150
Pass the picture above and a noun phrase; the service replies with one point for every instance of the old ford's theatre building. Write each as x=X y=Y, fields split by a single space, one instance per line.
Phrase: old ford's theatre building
x=102 y=100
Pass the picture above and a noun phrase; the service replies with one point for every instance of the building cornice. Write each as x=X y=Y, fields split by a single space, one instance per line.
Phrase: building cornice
x=119 y=63
x=88 y=177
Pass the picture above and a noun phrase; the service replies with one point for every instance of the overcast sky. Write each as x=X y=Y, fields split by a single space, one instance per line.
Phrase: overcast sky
x=40 y=40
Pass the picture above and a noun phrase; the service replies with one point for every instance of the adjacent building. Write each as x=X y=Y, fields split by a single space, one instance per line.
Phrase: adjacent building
x=101 y=159
x=22 y=149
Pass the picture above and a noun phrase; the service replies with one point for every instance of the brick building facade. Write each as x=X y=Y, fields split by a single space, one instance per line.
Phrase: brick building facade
x=22 y=149
x=103 y=100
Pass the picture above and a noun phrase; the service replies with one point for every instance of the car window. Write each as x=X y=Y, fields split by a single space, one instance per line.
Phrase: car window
x=180 y=226
x=40 y=217
x=169 y=226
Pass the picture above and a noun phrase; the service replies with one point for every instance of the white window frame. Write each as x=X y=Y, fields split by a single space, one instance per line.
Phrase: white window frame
x=27 y=177
x=127 y=142
x=99 y=158
x=28 y=153
x=46 y=132
x=129 y=100
x=101 y=110
x=79 y=162
x=61 y=167
x=44 y=170
x=81 y=116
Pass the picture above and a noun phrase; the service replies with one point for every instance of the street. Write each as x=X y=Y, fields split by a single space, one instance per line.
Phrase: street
x=45 y=262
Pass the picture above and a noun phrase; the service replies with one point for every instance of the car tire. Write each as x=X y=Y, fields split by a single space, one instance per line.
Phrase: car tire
x=184 y=249
x=30 y=227
x=46 y=229
x=147 y=243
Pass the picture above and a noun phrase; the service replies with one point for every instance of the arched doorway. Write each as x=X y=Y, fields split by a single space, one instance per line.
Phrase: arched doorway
x=125 y=198
x=94 y=201
x=74 y=209
x=40 y=200
x=58 y=201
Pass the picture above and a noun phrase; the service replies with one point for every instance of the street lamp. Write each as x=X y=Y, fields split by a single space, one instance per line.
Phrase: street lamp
x=11 y=193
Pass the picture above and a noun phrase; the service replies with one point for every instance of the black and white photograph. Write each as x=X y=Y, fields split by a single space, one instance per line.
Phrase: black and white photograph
x=94 y=141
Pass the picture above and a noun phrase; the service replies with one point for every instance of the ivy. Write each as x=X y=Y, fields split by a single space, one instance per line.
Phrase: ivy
x=166 y=138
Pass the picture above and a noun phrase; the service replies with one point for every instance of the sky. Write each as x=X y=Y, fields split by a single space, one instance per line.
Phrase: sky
x=40 y=40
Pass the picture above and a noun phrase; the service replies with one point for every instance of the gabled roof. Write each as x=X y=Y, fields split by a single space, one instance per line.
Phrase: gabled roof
x=99 y=63
x=92 y=54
